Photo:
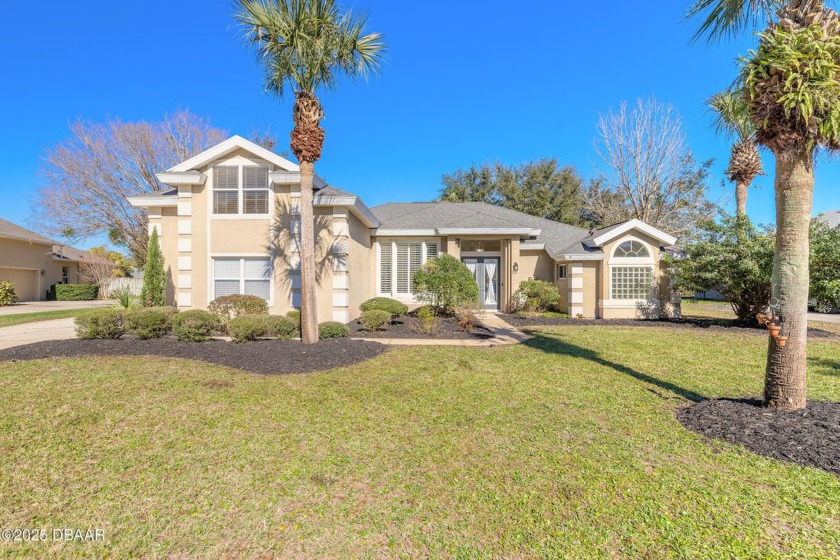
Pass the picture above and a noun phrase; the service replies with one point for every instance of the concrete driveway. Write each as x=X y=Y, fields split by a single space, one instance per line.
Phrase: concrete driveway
x=37 y=306
x=27 y=333
x=824 y=318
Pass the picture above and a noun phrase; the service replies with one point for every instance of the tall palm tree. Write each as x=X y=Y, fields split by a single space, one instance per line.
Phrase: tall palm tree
x=792 y=85
x=732 y=118
x=307 y=46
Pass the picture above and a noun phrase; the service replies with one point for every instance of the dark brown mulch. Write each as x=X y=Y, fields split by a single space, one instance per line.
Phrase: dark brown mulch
x=408 y=326
x=262 y=356
x=723 y=325
x=809 y=437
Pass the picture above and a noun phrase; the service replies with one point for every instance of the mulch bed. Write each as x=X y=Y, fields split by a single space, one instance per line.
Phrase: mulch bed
x=262 y=356
x=809 y=437
x=723 y=325
x=408 y=326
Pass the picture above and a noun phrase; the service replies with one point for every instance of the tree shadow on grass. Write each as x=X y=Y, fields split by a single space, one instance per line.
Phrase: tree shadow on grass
x=552 y=345
x=824 y=366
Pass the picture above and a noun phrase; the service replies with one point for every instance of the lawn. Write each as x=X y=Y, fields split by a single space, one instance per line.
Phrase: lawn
x=19 y=318
x=564 y=447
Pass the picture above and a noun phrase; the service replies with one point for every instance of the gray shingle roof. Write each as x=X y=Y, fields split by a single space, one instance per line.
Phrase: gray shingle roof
x=8 y=229
x=558 y=238
x=831 y=218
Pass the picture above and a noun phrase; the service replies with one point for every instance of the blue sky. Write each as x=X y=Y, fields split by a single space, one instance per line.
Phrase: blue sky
x=465 y=82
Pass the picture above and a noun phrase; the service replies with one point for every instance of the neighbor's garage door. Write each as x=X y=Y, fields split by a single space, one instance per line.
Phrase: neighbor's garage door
x=26 y=282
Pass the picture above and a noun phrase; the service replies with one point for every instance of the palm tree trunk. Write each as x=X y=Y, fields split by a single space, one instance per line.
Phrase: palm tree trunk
x=741 y=197
x=784 y=384
x=308 y=305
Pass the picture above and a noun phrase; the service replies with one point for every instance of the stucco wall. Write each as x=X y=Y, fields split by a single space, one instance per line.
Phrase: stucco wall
x=362 y=265
x=608 y=309
x=22 y=262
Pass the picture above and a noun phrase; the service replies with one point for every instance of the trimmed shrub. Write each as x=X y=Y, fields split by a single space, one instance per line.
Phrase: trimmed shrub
x=75 y=292
x=333 y=329
x=235 y=305
x=294 y=315
x=246 y=328
x=154 y=278
x=195 y=325
x=536 y=296
x=101 y=324
x=392 y=306
x=7 y=293
x=282 y=327
x=374 y=319
x=428 y=321
x=445 y=283
x=150 y=322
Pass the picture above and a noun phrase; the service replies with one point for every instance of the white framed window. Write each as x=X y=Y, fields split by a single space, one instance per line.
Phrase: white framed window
x=399 y=261
x=561 y=271
x=241 y=190
x=248 y=275
x=631 y=271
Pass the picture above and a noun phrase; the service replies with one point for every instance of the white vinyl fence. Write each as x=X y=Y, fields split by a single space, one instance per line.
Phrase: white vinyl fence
x=117 y=284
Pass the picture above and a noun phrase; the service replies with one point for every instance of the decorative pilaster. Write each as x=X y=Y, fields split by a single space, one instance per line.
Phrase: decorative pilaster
x=341 y=274
x=183 y=288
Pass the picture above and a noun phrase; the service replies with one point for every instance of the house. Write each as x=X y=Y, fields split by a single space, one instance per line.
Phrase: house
x=229 y=223
x=34 y=263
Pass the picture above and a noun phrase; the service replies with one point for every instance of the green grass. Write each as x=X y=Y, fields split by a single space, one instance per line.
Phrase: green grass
x=565 y=447
x=20 y=318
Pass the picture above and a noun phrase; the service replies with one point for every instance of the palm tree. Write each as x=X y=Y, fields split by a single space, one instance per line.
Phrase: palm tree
x=792 y=85
x=732 y=118
x=308 y=45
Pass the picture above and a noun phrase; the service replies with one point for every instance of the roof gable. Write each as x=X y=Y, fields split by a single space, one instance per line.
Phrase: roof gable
x=228 y=146
x=599 y=237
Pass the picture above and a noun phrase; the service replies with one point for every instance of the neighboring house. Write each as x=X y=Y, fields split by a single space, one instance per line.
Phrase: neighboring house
x=230 y=224
x=34 y=263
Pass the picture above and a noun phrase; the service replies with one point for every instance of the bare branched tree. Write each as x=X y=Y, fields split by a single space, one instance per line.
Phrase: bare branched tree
x=97 y=270
x=648 y=171
x=89 y=175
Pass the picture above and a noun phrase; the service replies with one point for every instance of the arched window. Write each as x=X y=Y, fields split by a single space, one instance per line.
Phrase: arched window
x=632 y=249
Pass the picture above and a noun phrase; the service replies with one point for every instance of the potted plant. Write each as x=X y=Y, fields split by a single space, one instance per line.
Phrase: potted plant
x=774 y=329
x=781 y=341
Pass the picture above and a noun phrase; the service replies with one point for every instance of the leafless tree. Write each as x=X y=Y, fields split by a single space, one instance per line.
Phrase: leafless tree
x=648 y=170
x=97 y=270
x=90 y=175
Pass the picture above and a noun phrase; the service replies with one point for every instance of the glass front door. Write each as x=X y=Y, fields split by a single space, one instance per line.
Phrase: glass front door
x=485 y=270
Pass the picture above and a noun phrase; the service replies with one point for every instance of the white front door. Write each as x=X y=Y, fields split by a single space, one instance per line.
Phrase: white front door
x=485 y=270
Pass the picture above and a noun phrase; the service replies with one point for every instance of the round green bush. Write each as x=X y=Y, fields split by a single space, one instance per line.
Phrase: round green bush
x=282 y=327
x=333 y=329
x=196 y=325
x=246 y=328
x=108 y=324
x=7 y=293
x=234 y=305
x=536 y=296
x=446 y=283
x=392 y=306
x=150 y=322
x=374 y=319
x=294 y=315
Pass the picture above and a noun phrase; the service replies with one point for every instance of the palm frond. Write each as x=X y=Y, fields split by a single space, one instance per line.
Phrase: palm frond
x=731 y=114
x=308 y=44
x=727 y=18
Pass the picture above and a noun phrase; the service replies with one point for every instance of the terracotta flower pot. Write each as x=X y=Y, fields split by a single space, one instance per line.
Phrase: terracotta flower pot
x=762 y=318
x=774 y=329
x=781 y=341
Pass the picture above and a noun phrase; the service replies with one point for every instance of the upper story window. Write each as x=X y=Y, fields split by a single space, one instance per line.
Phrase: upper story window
x=632 y=249
x=240 y=190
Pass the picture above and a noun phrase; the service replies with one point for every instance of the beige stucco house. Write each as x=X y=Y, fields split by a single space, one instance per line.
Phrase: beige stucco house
x=34 y=263
x=230 y=222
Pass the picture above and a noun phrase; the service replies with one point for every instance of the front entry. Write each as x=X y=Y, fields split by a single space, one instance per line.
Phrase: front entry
x=485 y=270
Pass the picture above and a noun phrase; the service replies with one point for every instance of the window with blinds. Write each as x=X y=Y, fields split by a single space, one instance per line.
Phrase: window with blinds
x=385 y=264
x=225 y=190
x=399 y=261
x=249 y=276
x=255 y=190
x=237 y=187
